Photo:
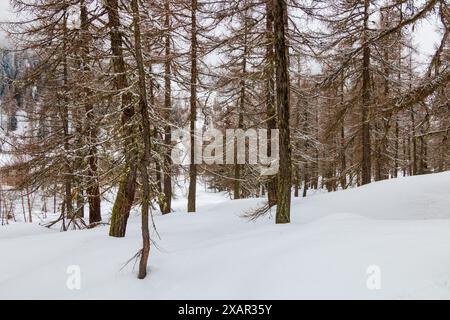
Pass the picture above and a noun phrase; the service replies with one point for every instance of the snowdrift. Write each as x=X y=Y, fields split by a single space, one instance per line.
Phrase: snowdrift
x=386 y=240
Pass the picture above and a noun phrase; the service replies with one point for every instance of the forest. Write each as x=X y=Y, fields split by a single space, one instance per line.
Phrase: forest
x=94 y=95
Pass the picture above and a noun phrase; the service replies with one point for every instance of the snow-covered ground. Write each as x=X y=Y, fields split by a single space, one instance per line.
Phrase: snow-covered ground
x=389 y=239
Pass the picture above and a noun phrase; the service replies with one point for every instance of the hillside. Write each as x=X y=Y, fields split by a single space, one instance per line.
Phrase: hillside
x=400 y=226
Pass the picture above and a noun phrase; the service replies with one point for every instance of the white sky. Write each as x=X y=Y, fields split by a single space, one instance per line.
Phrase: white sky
x=5 y=15
x=427 y=37
x=4 y=6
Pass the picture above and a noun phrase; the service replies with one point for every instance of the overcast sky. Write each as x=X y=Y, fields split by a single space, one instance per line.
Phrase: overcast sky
x=5 y=15
x=426 y=37
x=4 y=5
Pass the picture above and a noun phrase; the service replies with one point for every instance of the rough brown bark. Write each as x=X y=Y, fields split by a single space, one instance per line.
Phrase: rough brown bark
x=146 y=134
x=93 y=188
x=167 y=203
x=366 y=163
x=241 y=108
x=65 y=122
x=127 y=187
x=193 y=109
x=270 y=98
x=396 y=148
x=282 y=98
x=342 y=156
x=155 y=135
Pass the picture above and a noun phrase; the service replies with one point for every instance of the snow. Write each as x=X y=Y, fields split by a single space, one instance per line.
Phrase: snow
x=399 y=227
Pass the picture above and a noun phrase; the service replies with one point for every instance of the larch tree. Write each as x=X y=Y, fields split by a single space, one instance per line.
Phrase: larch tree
x=283 y=214
x=191 y=205
x=127 y=187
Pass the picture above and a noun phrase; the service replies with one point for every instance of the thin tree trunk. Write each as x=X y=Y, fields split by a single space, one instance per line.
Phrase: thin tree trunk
x=23 y=207
x=343 y=159
x=167 y=107
x=54 y=199
x=270 y=98
x=146 y=134
x=193 y=111
x=414 y=145
x=93 y=187
x=30 y=211
x=237 y=166
x=366 y=165
x=315 y=178
x=65 y=124
x=396 y=146
x=155 y=137
x=305 y=181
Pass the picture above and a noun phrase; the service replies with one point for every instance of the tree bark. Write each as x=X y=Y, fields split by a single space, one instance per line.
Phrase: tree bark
x=366 y=164
x=127 y=187
x=270 y=98
x=65 y=122
x=167 y=203
x=146 y=135
x=282 y=97
x=193 y=111
x=93 y=187
x=241 y=108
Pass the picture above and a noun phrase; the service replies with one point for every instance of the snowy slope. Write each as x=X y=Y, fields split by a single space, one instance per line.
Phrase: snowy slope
x=402 y=227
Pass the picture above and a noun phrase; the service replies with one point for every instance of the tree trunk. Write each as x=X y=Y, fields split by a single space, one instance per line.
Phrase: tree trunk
x=30 y=211
x=305 y=182
x=65 y=122
x=241 y=107
x=282 y=97
x=396 y=146
x=366 y=165
x=193 y=111
x=146 y=135
x=270 y=99
x=414 y=145
x=167 y=203
x=93 y=187
x=155 y=136
x=127 y=187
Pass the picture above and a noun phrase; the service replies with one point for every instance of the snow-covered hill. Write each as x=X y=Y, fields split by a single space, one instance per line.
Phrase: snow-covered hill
x=389 y=239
